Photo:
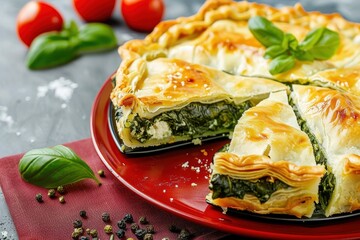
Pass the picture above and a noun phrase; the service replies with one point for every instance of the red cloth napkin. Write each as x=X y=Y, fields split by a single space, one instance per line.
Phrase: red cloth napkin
x=53 y=220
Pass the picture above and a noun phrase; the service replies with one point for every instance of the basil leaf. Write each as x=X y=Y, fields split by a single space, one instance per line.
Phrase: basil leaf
x=281 y=64
x=303 y=56
x=292 y=42
x=274 y=51
x=96 y=37
x=326 y=46
x=311 y=39
x=53 y=167
x=265 y=31
x=51 y=49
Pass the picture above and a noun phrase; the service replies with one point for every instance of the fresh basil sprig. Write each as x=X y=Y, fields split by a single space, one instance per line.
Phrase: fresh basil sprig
x=56 y=48
x=53 y=167
x=283 y=48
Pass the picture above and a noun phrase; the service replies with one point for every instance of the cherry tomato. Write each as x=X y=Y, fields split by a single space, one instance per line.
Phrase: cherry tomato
x=94 y=10
x=35 y=18
x=142 y=15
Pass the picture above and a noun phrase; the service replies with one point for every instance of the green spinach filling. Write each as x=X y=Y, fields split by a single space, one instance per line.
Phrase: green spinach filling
x=224 y=186
x=328 y=181
x=192 y=121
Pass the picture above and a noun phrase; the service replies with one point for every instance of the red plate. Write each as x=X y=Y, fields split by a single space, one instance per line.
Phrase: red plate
x=177 y=181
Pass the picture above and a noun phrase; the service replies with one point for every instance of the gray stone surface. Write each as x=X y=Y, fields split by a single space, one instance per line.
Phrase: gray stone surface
x=31 y=119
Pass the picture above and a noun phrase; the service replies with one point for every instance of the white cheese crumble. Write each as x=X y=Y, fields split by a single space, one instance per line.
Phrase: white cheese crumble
x=160 y=130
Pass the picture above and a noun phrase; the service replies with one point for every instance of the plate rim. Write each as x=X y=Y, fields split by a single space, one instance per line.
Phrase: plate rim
x=100 y=101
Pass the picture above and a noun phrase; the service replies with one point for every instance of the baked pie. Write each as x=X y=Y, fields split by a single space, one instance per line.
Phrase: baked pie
x=295 y=135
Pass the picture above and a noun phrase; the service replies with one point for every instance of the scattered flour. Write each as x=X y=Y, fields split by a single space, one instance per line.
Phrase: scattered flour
x=63 y=89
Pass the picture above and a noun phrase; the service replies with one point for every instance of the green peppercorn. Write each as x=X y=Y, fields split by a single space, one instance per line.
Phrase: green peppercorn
x=51 y=193
x=134 y=227
x=82 y=214
x=121 y=224
x=148 y=236
x=150 y=229
x=75 y=235
x=77 y=223
x=61 y=199
x=128 y=218
x=105 y=216
x=79 y=230
x=38 y=197
x=93 y=233
x=143 y=220
x=140 y=233
x=120 y=233
x=60 y=189
x=101 y=173
x=108 y=229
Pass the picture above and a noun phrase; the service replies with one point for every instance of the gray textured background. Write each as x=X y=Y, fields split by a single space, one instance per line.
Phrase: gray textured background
x=29 y=121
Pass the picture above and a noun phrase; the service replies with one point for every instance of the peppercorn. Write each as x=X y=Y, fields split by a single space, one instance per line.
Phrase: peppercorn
x=84 y=238
x=77 y=223
x=121 y=224
x=120 y=233
x=148 y=236
x=101 y=173
x=128 y=218
x=140 y=233
x=184 y=235
x=82 y=214
x=87 y=231
x=108 y=229
x=51 y=193
x=38 y=197
x=105 y=216
x=174 y=229
x=134 y=227
x=150 y=229
x=75 y=235
x=79 y=230
x=60 y=189
x=165 y=238
x=93 y=233
x=61 y=199
x=143 y=220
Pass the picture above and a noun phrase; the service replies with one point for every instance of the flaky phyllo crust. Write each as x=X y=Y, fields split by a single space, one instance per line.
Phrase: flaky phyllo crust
x=296 y=132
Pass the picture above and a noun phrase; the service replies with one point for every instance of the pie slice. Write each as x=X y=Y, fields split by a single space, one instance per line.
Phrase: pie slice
x=269 y=166
x=169 y=100
x=334 y=119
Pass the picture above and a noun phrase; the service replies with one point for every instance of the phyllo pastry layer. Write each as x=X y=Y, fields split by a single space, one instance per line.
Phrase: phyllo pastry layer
x=334 y=119
x=269 y=166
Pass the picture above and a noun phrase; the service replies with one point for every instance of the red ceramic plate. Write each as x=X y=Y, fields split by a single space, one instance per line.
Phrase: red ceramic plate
x=177 y=181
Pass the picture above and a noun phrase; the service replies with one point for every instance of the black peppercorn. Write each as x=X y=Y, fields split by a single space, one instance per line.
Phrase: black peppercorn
x=150 y=229
x=105 y=217
x=84 y=238
x=174 y=229
x=38 y=197
x=51 y=193
x=120 y=233
x=148 y=236
x=77 y=223
x=143 y=220
x=121 y=224
x=134 y=227
x=184 y=235
x=82 y=213
x=128 y=218
x=140 y=233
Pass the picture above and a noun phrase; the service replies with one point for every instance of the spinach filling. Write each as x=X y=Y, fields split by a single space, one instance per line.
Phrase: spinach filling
x=193 y=120
x=328 y=181
x=225 y=186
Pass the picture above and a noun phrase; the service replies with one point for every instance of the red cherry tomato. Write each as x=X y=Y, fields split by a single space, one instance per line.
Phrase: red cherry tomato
x=36 y=18
x=94 y=10
x=142 y=15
